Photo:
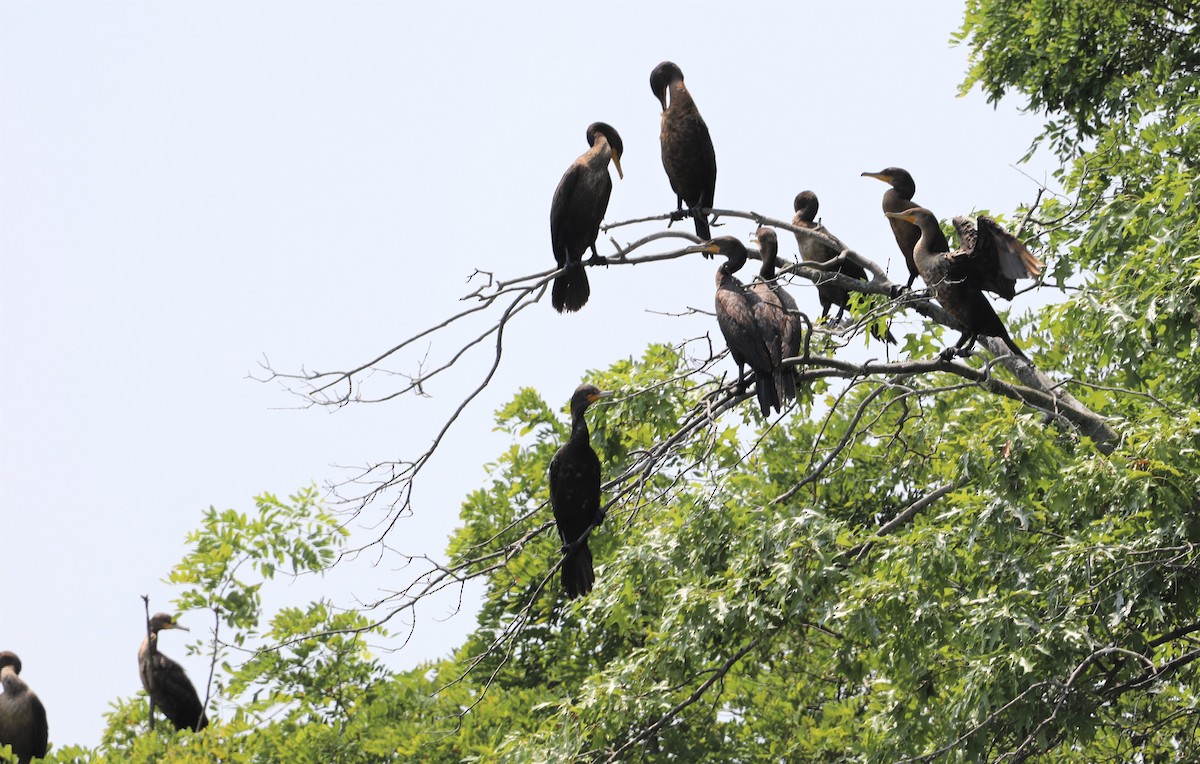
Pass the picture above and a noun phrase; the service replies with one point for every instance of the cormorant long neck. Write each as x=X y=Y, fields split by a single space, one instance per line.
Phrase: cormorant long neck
x=599 y=155
x=13 y=683
x=679 y=95
x=770 y=251
x=579 y=428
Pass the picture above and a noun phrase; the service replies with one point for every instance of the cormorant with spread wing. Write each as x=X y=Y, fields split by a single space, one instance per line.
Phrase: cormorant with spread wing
x=575 y=494
x=576 y=211
x=990 y=258
x=687 y=149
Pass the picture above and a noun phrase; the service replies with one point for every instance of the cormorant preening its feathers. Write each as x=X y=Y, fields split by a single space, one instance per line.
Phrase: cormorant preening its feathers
x=778 y=309
x=899 y=198
x=813 y=250
x=22 y=716
x=687 y=149
x=990 y=258
x=576 y=211
x=575 y=494
x=751 y=341
x=166 y=682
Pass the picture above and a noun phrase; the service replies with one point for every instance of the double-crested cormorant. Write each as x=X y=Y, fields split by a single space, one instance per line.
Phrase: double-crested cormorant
x=776 y=307
x=747 y=338
x=576 y=211
x=687 y=149
x=166 y=682
x=899 y=198
x=575 y=494
x=22 y=716
x=813 y=250
x=991 y=259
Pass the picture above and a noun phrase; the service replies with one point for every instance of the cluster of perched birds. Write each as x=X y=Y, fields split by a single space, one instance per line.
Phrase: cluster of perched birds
x=760 y=323
x=23 y=723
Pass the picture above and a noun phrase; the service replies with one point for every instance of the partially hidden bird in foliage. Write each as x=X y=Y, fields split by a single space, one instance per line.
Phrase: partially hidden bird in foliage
x=166 y=682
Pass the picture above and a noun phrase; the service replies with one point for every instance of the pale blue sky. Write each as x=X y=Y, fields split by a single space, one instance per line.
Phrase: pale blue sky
x=186 y=187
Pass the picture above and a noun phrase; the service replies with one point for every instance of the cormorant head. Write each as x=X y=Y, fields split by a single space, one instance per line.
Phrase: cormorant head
x=614 y=142
x=585 y=395
x=918 y=216
x=160 y=621
x=897 y=178
x=7 y=659
x=661 y=78
x=727 y=246
x=806 y=204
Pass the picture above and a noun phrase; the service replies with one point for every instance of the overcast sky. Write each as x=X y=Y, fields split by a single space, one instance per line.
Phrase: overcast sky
x=187 y=188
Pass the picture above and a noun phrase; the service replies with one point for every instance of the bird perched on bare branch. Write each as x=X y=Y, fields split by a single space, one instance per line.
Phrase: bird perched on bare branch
x=166 y=682
x=899 y=198
x=778 y=308
x=751 y=342
x=687 y=149
x=813 y=250
x=575 y=494
x=22 y=715
x=576 y=211
x=990 y=258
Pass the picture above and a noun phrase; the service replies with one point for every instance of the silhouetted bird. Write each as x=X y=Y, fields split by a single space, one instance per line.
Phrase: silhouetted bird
x=749 y=339
x=22 y=716
x=813 y=250
x=991 y=259
x=166 y=682
x=576 y=211
x=575 y=494
x=687 y=149
x=899 y=198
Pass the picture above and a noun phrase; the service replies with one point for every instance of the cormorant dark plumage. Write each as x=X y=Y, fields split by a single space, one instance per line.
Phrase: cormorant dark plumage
x=899 y=198
x=813 y=250
x=748 y=339
x=576 y=211
x=687 y=149
x=166 y=682
x=991 y=259
x=575 y=494
x=778 y=308
x=22 y=716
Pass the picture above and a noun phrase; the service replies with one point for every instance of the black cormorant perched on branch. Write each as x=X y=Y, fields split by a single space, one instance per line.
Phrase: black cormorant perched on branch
x=779 y=308
x=22 y=716
x=687 y=149
x=747 y=338
x=575 y=494
x=576 y=211
x=166 y=682
x=991 y=259
x=899 y=198
x=813 y=250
